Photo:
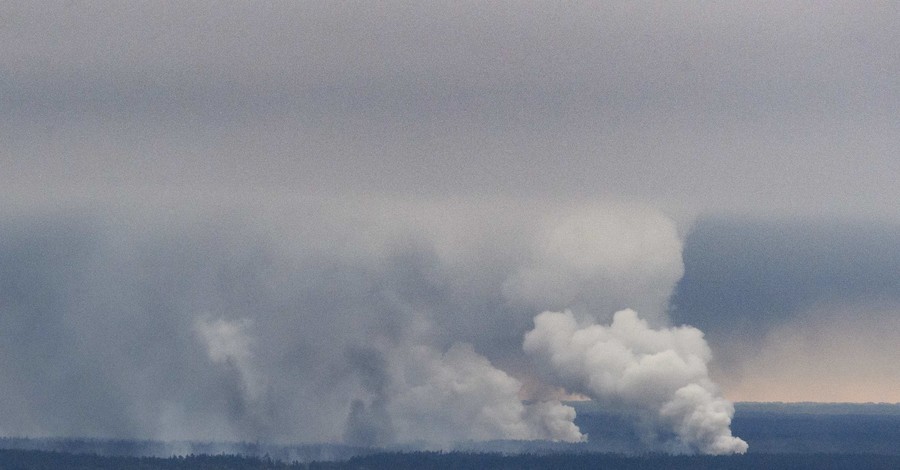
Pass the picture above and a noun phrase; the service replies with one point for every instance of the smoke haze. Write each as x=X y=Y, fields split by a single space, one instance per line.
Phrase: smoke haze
x=336 y=222
x=339 y=328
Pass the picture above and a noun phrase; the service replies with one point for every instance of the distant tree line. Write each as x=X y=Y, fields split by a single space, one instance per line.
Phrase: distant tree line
x=15 y=459
x=11 y=459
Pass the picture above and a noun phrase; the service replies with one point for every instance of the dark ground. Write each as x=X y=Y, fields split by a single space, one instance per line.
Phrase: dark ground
x=796 y=436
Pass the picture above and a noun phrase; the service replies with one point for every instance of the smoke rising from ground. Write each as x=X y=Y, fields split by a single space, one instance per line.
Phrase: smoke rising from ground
x=660 y=374
x=287 y=320
x=228 y=343
x=597 y=263
x=373 y=323
x=459 y=395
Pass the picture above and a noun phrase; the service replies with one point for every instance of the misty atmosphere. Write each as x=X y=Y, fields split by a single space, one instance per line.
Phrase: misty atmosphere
x=293 y=233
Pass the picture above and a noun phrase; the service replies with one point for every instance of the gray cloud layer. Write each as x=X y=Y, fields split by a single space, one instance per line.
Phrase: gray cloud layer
x=783 y=106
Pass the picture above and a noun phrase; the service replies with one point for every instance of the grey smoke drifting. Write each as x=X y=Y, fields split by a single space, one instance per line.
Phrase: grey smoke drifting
x=373 y=323
x=661 y=374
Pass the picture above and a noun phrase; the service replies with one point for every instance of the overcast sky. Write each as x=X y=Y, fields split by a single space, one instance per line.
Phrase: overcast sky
x=764 y=106
x=455 y=166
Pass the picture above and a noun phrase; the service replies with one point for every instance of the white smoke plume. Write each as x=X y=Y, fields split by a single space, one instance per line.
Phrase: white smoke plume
x=597 y=261
x=371 y=323
x=660 y=374
x=459 y=395
x=417 y=394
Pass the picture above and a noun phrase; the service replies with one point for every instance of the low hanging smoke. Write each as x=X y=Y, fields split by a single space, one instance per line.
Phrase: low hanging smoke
x=659 y=374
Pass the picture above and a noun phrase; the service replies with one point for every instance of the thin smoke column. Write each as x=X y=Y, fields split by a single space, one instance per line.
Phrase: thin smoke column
x=660 y=375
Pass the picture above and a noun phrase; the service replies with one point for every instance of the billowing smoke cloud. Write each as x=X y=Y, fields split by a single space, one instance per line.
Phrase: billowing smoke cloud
x=661 y=374
x=594 y=263
x=422 y=395
x=369 y=323
x=459 y=395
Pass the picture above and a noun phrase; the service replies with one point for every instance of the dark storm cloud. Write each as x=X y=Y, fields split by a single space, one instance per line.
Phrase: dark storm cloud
x=744 y=277
x=791 y=305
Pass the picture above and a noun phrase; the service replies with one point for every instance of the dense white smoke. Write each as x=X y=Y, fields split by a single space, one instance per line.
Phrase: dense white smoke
x=590 y=259
x=459 y=395
x=417 y=394
x=661 y=374
x=371 y=324
x=597 y=262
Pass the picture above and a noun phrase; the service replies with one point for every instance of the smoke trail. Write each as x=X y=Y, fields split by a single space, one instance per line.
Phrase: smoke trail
x=228 y=343
x=369 y=423
x=661 y=374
